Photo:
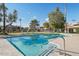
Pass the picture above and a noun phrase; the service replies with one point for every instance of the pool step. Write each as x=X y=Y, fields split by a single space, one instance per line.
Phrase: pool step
x=47 y=51
x=43 y=53
x=51 y=50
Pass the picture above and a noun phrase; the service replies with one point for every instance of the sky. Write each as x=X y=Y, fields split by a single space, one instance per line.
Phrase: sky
x=40 y=11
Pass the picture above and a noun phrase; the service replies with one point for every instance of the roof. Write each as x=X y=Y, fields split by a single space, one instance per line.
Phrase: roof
x=73 y=26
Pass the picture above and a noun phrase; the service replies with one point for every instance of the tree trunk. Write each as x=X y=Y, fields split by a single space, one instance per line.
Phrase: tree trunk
x=4 y=19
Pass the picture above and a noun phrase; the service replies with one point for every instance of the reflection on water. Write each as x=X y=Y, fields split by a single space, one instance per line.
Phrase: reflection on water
x=36 y=39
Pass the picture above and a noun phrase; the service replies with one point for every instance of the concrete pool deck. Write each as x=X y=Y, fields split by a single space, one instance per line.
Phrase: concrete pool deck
x=6 y=49
x=71 y=44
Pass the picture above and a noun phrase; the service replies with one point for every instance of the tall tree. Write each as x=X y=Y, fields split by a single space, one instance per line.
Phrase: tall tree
x=3 y=10
x=46 y=25
x=56 y=19
x=20 y=24
x=12 y=17
x=34 y=25
x=5 y=17
x=0 y=17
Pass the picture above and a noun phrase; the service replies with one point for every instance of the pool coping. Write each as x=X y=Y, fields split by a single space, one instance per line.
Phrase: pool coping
x=16 y=47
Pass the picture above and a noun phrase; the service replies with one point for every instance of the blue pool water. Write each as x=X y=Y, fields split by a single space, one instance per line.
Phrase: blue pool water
x=33 y=45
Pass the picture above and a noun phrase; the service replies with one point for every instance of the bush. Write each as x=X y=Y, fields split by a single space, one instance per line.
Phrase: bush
x=77 y=30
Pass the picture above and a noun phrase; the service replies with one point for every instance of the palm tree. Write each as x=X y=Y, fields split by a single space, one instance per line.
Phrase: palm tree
x=0 y=17
x=0 y=21
x=12 y=17
x=33 y=25
x=20 y=23
x=46 y=25
x=15 y=15
x=3 y=9
x=5 y=17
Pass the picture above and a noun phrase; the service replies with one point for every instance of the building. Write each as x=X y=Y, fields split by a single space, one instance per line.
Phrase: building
x=73 y=28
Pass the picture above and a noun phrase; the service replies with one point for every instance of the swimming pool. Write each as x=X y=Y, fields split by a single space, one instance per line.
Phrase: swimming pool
x=33 y=45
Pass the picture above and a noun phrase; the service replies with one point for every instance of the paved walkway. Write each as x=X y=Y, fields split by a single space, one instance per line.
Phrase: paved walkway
x=6 y=49
x=71 y=45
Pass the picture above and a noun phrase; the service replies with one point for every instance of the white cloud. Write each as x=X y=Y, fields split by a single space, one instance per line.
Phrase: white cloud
x=47 y=19
x=34 y=17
